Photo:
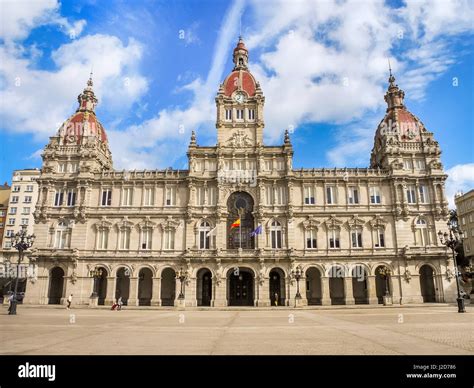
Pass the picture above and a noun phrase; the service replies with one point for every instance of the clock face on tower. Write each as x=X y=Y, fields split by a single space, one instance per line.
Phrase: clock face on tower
x=239 y=98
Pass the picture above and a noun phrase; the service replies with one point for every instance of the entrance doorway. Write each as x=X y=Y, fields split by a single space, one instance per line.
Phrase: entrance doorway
x=240 y=287
x=204 y=287
x=428 y=291
x=56 y=286
x=277 y=287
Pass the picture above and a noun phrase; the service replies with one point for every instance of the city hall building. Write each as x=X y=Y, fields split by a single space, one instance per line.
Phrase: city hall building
x=241 y=226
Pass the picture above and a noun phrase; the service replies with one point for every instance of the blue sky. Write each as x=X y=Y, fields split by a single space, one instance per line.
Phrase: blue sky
x=157 y=66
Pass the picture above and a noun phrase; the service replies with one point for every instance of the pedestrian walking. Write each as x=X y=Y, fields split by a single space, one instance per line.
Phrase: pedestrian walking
x=276 y=299
x=69 y=301
x=10 y=302
x=120 y=303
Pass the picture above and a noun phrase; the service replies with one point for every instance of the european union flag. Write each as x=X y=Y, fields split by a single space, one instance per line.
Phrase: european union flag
x=258 y=230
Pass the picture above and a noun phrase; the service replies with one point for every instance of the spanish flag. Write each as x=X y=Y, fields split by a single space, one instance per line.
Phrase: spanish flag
x=236 y=224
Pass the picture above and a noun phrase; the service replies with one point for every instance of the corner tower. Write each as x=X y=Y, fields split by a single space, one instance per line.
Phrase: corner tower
x=80 y=145
x=240 y=104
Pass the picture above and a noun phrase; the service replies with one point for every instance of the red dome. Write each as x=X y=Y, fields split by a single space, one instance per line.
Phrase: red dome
x=80 y=124
x=231 y=83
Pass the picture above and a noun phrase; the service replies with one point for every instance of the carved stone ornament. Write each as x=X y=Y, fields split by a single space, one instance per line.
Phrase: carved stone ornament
x=239 y=139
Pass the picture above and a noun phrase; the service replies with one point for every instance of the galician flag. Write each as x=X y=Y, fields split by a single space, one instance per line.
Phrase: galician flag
x=258 y=230
x=236 y=224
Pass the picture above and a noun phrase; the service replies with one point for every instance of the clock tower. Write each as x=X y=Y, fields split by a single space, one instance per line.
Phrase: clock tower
x=240 y=105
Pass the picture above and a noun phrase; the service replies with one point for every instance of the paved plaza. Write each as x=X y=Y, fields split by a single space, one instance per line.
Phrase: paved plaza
x=436 y=329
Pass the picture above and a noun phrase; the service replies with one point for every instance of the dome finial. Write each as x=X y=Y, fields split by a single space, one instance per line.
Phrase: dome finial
x=394 y=96
x=241 y=55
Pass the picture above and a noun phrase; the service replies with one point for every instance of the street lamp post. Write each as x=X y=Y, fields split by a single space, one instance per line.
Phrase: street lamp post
x=96 y=274
x=182 y=276
x=297 y=274
x=21 y=242
x=452 y=240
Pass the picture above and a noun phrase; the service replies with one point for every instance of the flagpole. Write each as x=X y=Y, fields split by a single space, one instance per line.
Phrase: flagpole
x=241 y=212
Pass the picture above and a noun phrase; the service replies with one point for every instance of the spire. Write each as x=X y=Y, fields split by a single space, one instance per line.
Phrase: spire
x=193 y=139
x=87 y=99
x=394 y=96
x=241 y=55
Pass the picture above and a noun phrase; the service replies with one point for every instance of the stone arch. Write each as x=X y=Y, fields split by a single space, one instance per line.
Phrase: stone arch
x=56 y=285
x=150 y=267
x=168 y=286
x=314 y=291
x=277 y=286
x=129 y=269
x=145 y=286
x=241 y=286
x=100 y=285
x=204 y=280
x=359 y=274
x=122 y=283
x=240 y=200
x=383 y=286
x=337 y=292
x=428 y=283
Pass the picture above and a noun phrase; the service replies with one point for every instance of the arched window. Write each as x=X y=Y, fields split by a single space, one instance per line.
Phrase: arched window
x=275 y=235
x=204 y=235
x=61 y=239
x=422 y=237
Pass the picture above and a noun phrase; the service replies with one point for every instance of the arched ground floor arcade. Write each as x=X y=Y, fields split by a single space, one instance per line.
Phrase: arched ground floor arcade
x=242 y=283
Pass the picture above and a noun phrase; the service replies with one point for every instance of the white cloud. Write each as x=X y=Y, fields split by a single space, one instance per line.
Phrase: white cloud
x=38 y=101
x=327 y=62
x=19 y=17
x=460 y=179
x=139 y=147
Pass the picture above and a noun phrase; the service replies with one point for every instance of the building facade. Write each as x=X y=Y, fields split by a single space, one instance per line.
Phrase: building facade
x=243 y=225
x=21 y=206
x=4 y=199
x=465 y=210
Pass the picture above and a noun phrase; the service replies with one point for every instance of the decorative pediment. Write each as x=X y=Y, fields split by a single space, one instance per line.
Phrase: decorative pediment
x=333 y=222
x=124 y=223
x=146 y=223
x=310 y=223
x=378 y=222
x=355 y=222
x=103 y=224
x=170 y=223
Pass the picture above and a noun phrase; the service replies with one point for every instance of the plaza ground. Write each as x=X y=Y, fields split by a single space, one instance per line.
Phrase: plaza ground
x=379 y=330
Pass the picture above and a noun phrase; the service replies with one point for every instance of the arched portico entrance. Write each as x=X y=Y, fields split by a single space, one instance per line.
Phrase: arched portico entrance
x=313 y=286
x=427 y=284
x=102 y=287
x=204 y=287
x=277 y=287
x=145 y=287
x=168 y=287
x=359 y=285
x=56 y=286
x=240 y=287
x=122 y=288
x=336 y=285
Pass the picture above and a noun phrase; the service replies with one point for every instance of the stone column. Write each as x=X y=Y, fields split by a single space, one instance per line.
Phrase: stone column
x=133 y=292
x=219 y=294
x=371 y=290
x=326 y=295
x=263 y=293
x=156 y=292
x=348 y=291
x=190 y=292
